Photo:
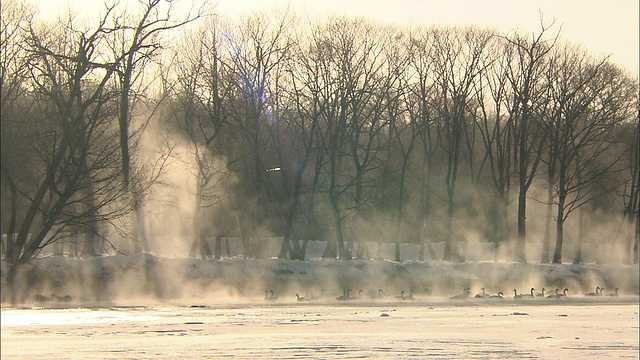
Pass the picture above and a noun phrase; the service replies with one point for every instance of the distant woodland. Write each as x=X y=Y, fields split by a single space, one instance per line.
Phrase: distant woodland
x=342 y=130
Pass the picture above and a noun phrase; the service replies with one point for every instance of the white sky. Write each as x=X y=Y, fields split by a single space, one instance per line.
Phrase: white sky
x=602 y=26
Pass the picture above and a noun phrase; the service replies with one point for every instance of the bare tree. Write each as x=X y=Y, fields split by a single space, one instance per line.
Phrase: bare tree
x=136 y=41
x=631 y=190
x=525 y=77
x=303 y=132
x=585 y=115
x=72 y=148
x=458 y=62
x=338 y=69
x=198 y=114
x=13 y=76
x=359 y=81
x=375 y=79
x=258 y=47
x=339 y=52
x=495 y=122
x=404 y=129
x=421 y=107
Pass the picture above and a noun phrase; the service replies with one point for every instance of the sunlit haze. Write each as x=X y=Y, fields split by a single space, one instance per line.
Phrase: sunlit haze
x=603 y=27
x=319 y=179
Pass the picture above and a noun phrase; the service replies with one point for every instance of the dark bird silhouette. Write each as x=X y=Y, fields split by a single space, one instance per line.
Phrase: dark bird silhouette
x=613 y=293
x=597 y=293
x=40 y=299
x=541 y=294
x=516 y=295
x=481 y=296
x=269 y=295
x=465 y=294
x=410 y=296
x=499 y=295
x=376 y=294
x=554 y=296
x=531 y=293
x=401 y=296
x=301 y=298
x=558 y=295
x=344 y=296
x=64 y=298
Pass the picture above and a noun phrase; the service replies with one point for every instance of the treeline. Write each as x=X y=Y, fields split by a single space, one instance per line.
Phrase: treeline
x=344 y=130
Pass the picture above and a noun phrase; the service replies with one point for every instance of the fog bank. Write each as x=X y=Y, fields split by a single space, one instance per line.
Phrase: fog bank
x=138 y=279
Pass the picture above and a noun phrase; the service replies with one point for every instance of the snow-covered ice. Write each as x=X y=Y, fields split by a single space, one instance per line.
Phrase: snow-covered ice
x=470 y=329
x=148 y=307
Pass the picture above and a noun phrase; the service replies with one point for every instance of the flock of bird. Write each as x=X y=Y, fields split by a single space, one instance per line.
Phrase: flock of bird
x=466 y=294
x=346 y=295
x=54 y=298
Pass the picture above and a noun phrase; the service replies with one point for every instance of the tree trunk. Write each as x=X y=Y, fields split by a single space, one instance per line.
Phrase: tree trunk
x=252 y=248
x=546 y=240
x=285 y=247
x=339 y=241
x=630 y=239
x=247 y=244
x=432 y=251
x=331 y=250
x=425 y=199
x=123 y=122
x=296 y=252
x=193 y=248
x=11 y=231
x=636 y=250
x=227 y=247
x=12 y=274
x=205 y=250
x=400 y=213
x=363 y=250
x=58 y=249
x=350 y=243
x=199 y=242
x=557 y=255
x=522 y=229
x=578 y=257
x=451 y=243
x=303 y=253
x=89 y=245
x=139 y=229
x=90 y=233
x=218 y=248
x=73 y=249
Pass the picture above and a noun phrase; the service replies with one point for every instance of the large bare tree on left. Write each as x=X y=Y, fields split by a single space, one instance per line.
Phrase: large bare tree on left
x=70 y=97
x=13 y=74
x=66 y=135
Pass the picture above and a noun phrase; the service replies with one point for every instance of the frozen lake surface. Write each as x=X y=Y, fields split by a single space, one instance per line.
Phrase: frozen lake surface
x=475 y=328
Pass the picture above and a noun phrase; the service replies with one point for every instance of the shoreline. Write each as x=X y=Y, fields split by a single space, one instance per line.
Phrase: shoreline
x=149 y=278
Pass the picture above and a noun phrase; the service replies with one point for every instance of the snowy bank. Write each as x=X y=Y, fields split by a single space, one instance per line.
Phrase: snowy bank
x=144 y=277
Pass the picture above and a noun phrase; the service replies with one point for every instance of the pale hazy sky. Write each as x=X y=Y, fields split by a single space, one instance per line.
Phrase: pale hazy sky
x=602 y=26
